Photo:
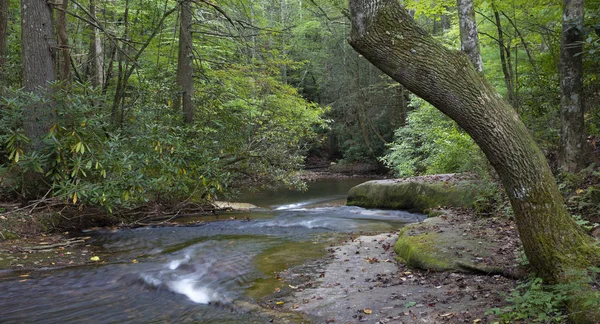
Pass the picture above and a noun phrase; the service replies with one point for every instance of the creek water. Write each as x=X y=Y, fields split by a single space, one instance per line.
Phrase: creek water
x=196 y=274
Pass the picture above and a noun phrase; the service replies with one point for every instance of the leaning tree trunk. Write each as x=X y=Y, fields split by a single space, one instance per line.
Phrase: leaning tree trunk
x=571 y=85
x=387 y=36
x=469 y=40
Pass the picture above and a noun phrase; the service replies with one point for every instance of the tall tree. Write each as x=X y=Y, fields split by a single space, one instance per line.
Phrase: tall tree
x=571 y=86
x=3 y=33
x=554 y=244
x=38 y=46
x=96 y=58
x=469 y=40
x=185 y=63
x=64 y=62
x=504 y=57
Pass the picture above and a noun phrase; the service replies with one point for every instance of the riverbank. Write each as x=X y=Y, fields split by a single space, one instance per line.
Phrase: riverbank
x=361 y=281
x=28 y=233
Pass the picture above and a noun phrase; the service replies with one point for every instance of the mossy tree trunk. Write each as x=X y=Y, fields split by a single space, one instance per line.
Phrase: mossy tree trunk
x=386 y=35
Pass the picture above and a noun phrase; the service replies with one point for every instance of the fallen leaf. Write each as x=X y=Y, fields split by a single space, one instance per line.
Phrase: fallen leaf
x=277 y=289
x=293 y=287
x=367 y=311
x=134 y=261
x=95 y=258
x=410 y=304
x=279 y=303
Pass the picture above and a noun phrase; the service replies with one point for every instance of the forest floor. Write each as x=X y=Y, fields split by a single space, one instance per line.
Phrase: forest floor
x=362 y=282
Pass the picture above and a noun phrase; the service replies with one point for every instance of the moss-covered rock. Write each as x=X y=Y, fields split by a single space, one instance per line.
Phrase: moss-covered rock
x=455 y=243
x=413 y=195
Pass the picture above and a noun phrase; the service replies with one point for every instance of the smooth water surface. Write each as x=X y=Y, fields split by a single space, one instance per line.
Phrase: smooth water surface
x=194 y=274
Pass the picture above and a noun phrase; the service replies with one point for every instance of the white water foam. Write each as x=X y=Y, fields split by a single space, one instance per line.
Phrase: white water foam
x=152 y=281
x=186 y=287
x=173 y=265
x=292 y=206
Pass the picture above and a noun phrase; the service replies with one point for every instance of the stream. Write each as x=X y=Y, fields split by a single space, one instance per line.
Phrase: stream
x=195 y=274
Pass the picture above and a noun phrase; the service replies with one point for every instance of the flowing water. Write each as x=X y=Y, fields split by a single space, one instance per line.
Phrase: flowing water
x=199 y=274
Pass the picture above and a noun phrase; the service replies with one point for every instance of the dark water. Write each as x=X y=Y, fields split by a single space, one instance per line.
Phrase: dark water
x=190 y=274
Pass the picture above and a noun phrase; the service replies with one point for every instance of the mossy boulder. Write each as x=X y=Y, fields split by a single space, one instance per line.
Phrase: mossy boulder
x=456 y=243
x=413 y=196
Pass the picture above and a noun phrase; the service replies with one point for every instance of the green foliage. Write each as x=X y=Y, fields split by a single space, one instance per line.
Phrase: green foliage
x=532 y=302
x=489 y=198
x=431 y=143
x=155 y=156
x=582 y=193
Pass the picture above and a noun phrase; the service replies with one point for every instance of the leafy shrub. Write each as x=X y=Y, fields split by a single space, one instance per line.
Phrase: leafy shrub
x=534 y=302
x=530 y=301
x=431 y=143
x=154 y=155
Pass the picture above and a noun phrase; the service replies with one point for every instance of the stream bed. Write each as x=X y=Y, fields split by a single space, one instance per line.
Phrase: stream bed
x=195 y=274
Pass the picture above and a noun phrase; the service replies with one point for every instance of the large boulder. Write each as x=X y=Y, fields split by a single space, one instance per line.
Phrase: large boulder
x=414 y=194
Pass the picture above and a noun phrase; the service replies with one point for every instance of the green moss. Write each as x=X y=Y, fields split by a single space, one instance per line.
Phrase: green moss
x=7 y=235
x=279 y=258
x=412 y=196
x=420 y=251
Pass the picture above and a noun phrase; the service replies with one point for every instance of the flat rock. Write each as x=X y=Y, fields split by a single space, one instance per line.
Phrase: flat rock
x=239 y=206
x=361 y=282
x=453 y=242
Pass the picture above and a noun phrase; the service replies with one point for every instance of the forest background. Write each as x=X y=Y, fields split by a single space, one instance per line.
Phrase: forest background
x=133 y=101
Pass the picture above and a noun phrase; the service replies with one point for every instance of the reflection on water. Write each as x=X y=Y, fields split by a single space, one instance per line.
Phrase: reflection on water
x=187 y=274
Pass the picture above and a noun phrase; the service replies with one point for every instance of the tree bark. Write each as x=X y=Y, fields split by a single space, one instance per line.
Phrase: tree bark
x=402 y=96
x=96 y=57
x=64 y=63
x=469 y=40
x=571 y=86
x=38 y=50
x=506 y=68
x=3 y=34
x=385 y=34
x=185 y=63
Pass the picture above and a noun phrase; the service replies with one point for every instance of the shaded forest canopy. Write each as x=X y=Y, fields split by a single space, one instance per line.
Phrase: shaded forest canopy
x=174 y=100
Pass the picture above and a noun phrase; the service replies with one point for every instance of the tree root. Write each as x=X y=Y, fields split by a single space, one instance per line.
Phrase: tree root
x=510 y=273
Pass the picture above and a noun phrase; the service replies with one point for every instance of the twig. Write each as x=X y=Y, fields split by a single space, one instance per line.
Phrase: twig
x=39 y=201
